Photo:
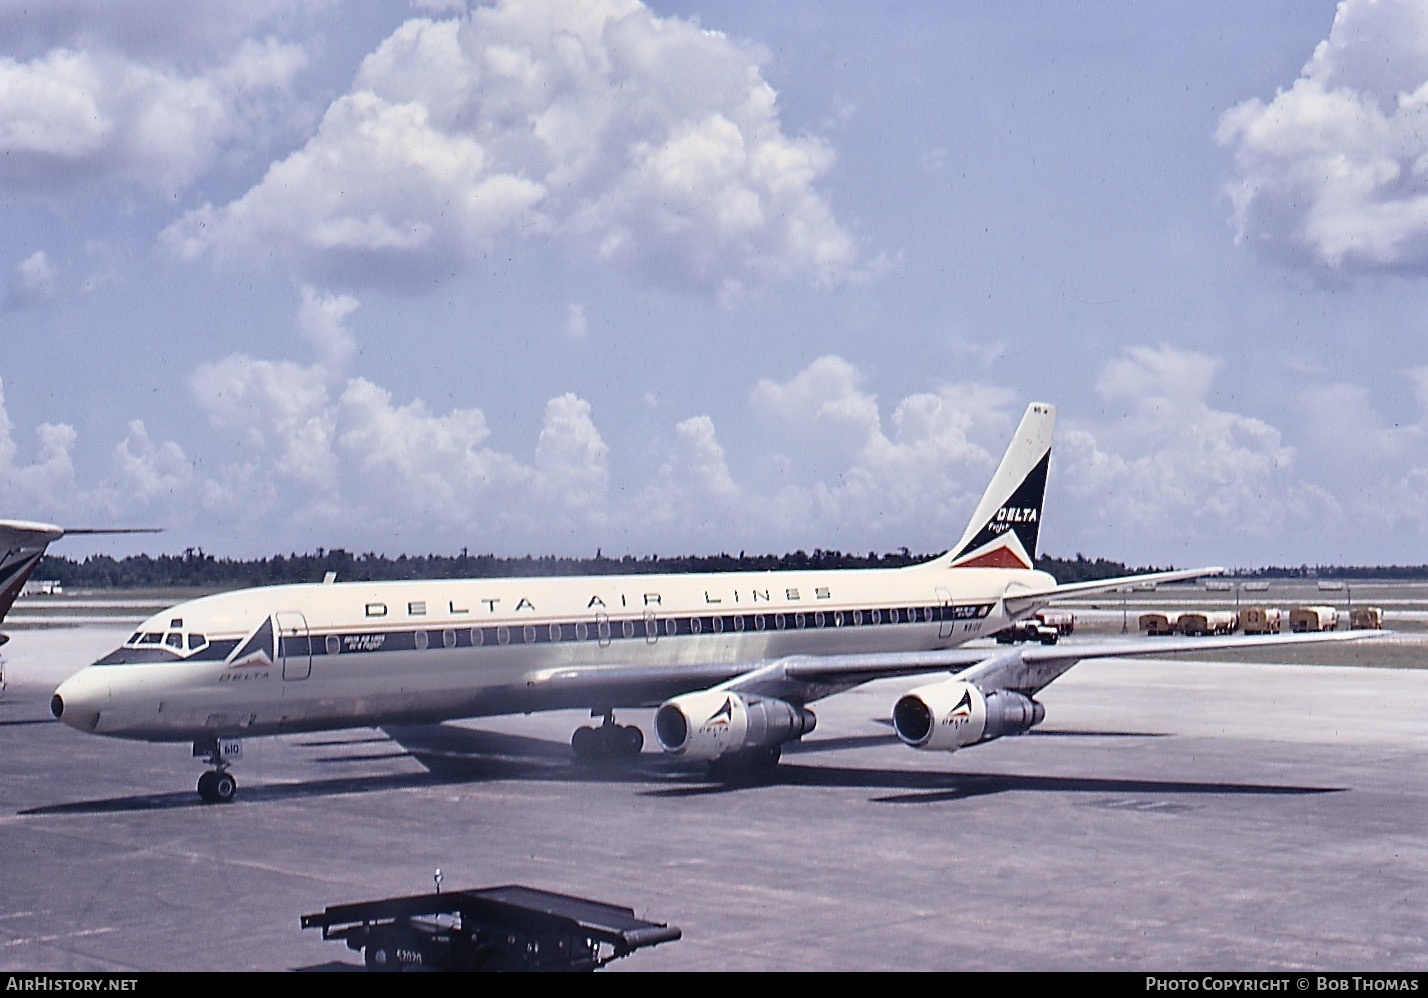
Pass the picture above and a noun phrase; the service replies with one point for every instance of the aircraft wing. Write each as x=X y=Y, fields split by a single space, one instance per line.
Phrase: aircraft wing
x=805 y=678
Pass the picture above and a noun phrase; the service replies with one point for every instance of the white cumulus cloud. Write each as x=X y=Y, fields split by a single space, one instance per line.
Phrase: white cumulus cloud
x=834 y=459
x=70 y=116
x=1334 y=168
x=645 y=143
x=1165 y=461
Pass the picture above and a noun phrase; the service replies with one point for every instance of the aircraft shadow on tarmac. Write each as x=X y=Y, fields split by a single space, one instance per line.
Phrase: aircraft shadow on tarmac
x=27 y=720
x=452 y=755
x=814 y=745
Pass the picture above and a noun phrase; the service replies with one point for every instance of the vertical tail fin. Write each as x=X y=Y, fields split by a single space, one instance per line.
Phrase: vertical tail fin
x=22 y=544
x=1004 y=529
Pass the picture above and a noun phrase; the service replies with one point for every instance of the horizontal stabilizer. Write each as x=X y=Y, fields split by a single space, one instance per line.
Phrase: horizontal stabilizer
x=1021 y=602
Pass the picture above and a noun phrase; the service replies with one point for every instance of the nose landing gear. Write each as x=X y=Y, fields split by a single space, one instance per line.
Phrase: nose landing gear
x=217 y=786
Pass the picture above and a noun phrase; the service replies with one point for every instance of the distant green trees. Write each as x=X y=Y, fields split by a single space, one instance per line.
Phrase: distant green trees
x=196 y=569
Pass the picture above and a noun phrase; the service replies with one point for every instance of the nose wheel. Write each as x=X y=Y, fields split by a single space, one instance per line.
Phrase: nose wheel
x=217 y=786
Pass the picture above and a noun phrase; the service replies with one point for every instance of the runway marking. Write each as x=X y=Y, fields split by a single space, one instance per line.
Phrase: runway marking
x=63 y=935
x=1131 y=804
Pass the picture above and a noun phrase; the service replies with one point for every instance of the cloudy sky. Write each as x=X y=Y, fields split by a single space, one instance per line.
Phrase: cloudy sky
x=548 y=276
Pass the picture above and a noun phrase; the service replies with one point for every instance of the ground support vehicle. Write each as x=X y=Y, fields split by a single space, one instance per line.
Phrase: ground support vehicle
x=1063 y=620
x=1028 y=630
x=510 y=928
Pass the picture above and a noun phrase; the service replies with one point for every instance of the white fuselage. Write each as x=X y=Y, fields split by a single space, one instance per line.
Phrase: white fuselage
x=305 y=657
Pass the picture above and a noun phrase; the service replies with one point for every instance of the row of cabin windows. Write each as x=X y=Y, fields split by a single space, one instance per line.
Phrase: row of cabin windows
x=652 y=628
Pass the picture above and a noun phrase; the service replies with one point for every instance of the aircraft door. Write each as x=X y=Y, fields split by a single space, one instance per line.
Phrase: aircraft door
x=946 y=624
x=294 y=648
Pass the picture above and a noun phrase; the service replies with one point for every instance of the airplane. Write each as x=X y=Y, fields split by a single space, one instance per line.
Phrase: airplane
x=730 y=660
x=23 y=544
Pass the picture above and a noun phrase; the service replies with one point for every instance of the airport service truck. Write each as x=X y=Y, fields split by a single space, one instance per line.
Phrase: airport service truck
x=510 y=928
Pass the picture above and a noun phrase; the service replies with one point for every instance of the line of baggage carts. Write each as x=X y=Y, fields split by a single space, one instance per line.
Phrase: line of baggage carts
x=1260 y=620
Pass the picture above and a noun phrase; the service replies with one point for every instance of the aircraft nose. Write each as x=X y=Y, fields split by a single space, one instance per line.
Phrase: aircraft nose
x=80 y=699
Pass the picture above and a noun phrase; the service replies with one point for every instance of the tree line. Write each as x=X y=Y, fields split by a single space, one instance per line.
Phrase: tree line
x=197 y=569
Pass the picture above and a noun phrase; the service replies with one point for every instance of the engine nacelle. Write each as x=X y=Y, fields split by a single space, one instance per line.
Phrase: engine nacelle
x=713 y=723
x=952 y=714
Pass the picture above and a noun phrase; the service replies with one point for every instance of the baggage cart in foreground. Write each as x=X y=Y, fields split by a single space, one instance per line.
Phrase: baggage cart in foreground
x=510 y=928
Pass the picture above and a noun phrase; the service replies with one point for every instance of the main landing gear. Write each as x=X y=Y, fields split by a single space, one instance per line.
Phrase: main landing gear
x=609 y=741
x=217 y=786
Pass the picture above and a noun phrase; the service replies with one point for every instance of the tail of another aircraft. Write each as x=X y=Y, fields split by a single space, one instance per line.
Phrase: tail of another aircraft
x=22 y=545
x=1004 y=528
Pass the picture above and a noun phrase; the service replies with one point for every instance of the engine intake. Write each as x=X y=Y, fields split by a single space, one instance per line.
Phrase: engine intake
x=952 y=714
x=713 y=723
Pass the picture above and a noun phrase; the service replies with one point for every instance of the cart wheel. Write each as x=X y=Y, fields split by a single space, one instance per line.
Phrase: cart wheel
x=380 y=954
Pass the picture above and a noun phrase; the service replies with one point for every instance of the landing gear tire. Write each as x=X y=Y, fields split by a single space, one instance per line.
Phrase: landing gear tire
x=632 y=740
x=585 y=743
x=217 y=787
x=609 y=741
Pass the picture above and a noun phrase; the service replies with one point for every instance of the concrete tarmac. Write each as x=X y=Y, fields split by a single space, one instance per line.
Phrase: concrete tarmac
x=1167 y=816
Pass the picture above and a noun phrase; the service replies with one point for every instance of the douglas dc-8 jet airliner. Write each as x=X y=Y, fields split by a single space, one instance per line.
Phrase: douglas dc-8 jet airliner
x=731 y=660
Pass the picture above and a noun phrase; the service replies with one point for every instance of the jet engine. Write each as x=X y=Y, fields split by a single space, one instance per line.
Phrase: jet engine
x=714 y=723
x=951 y=714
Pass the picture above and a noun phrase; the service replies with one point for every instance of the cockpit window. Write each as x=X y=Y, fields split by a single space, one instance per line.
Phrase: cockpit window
x=175 y=641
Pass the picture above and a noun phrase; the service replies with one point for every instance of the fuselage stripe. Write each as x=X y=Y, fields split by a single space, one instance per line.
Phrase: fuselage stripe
x=604 y=630
x=598 y=628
